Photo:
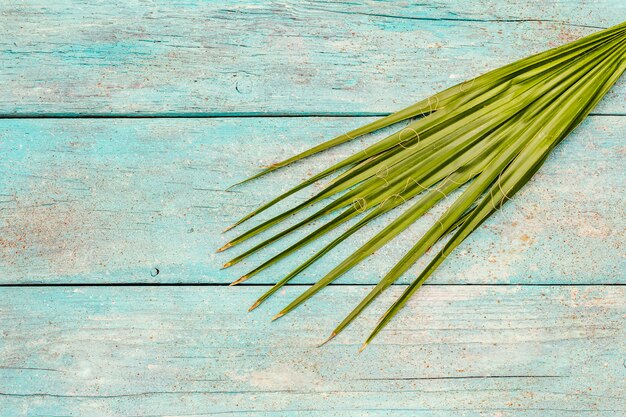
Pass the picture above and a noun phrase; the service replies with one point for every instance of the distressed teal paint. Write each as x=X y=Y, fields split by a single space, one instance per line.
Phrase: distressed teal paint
x=455 y=350
x=96 y=201
x=147 y=57
x=110 y=200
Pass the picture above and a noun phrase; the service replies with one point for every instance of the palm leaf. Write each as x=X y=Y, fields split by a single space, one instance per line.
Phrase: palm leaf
x=487 y=137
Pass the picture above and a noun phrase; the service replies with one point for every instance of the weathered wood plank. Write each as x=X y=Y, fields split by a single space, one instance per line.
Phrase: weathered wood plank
x=455 y=350
x=115 y=200
x=71 y=57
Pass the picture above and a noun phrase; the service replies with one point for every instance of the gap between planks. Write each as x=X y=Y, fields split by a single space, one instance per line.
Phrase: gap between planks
x=225 y=115
x=218 y=284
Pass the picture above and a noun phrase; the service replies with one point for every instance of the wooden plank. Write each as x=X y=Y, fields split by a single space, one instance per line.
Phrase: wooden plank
x=171 y=351
x=94 y=201
x=160 y=57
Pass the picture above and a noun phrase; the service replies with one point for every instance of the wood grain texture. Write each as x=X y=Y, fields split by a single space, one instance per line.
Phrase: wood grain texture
x=127 y=201
x=96 y=201
x=73 y=57
x=173 y=351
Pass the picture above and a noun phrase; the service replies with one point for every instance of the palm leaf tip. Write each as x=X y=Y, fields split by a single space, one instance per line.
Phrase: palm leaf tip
x=277 y=316
x=232 y=226
x=223 y=248
x=489 y=136
x=331 y=337
x=238 y=281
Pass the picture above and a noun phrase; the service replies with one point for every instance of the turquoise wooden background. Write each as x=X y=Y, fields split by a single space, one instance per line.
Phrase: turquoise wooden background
x=121 y=126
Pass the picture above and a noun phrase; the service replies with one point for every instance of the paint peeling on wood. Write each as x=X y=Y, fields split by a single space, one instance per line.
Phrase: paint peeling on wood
x=163 y=57
x=114 y=200
x=454 y=350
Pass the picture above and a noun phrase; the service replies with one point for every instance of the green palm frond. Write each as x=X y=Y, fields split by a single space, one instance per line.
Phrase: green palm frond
x=484 y=138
